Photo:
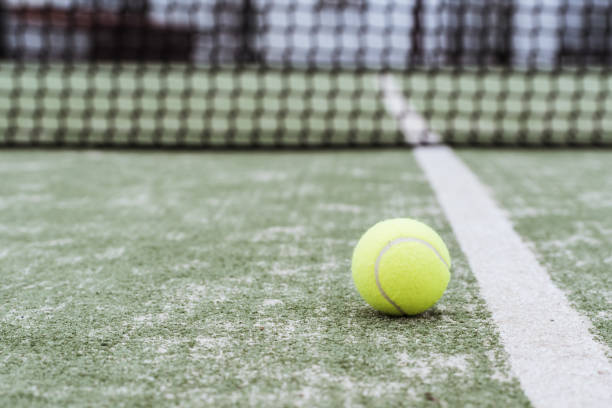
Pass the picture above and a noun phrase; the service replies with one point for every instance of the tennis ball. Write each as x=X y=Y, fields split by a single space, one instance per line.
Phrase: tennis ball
x=401 y=267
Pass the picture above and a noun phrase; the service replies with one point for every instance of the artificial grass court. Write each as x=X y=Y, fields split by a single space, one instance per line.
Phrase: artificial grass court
x=181 y=279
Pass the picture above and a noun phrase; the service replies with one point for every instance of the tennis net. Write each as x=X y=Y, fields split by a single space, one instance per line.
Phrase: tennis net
x=305 y=73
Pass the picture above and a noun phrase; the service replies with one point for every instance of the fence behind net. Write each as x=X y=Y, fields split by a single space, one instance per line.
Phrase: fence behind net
x=247 y=73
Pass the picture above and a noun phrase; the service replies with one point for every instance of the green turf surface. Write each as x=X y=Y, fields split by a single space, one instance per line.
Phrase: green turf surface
x=190 y=105
x=561 y=203
x=223 y=280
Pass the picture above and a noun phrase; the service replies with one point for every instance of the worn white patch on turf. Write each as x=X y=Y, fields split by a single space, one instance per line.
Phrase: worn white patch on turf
x=111 y=253
x=340 y=208
x=176 y=236
x=413 y=126
x=272 y=302
x=132 y=199
x=424 y=368
x=53 y=243
x=549 y=343
x=32 y=230
x=195 y=264
x=279 y=232
x=68 y=260
x=151 y=319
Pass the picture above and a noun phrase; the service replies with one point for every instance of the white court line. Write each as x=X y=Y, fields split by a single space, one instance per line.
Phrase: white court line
x=549 y=344
x=413 y=126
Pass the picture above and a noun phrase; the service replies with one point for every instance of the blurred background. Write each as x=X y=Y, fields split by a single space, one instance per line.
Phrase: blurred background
x=303 y=73
x=370 y=34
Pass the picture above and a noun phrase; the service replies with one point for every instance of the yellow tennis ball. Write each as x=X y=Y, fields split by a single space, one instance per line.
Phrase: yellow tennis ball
x=401 y=267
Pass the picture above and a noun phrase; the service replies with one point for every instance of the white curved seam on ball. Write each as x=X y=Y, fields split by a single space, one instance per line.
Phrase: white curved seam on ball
x=385 y=249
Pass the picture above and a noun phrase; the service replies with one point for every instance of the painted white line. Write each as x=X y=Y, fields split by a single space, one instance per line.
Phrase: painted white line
x=550 y=347
x=413 y=126
x=549 y=344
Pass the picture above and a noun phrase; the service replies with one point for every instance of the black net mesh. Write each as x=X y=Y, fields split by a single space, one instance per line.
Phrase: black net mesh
x=293 y=73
